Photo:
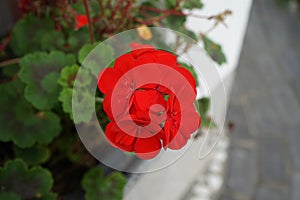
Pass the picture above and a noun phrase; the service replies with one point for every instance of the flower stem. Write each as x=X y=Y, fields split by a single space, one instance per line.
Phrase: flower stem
x=99 y=100
x=87 y=10
x=10 y=62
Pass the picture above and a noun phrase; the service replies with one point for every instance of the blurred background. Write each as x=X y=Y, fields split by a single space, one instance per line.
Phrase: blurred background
x=264 y=109
x=258 y=155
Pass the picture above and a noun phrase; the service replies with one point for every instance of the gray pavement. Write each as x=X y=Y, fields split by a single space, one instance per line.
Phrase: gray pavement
x=264 y=156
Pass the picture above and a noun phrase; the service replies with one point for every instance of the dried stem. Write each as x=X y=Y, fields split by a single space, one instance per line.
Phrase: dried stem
x=174 y=12
x=101 y=8
x=87 y=10
x=10 y=62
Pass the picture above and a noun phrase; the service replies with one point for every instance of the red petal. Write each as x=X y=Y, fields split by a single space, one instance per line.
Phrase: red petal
x=81 y=20
x=147 y=148
x=188 y=76
x=138 y=49
x=107 y=80
x=190 y=124
x=124 y=63
x=178 y=142
x=118 y=138
x=144 y=99
x=107 y=106
x=165 y=58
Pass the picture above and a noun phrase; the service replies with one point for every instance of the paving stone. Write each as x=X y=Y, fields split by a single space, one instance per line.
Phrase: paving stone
x=281 y=36
x=273 y=163
x=268 y=82
x=268 y=193
x=241 y=170
x=295 y=85
x=270 y=69
x=286 y=104
x=224 y=197
x=290 y=62
x=293 y=134
x=262 y=116
x=236 y=93
x=236 y=115
x=251 y=80
x=295 y=195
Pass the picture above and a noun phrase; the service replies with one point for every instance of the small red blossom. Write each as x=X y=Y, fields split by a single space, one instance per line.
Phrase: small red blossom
x=149 y=99
x=81 y=20
x=24 y=5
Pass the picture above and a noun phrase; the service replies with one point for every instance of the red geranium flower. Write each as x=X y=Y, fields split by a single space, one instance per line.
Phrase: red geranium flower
x=177 y=131
x=146 y=116
x=81 y=20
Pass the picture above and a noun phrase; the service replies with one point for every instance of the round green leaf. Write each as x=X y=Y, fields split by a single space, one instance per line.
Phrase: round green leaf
x=9 y=196
x=20 y=122
x=68 y=75
x=16 y=178
x=108 y=188
x=66 y=98
x=40 y=71
x=27 y=34
x=34 y=155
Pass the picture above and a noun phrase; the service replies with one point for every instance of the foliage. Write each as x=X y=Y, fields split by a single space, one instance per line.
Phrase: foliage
x=203 y=107
x=214 y=50
x=97 y=186
x=34 y=155
x=20 y=123
x=40 y=72
x=19 y=182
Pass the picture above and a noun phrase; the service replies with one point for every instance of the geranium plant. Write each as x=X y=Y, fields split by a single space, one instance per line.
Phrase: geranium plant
x=41 y=155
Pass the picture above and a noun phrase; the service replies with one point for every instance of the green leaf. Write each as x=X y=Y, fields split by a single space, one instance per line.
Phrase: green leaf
x=206 y=120
x=40 y=72
x=68 y=75
x=83 y=98
x=50 y=196
x=191 y=4
x=98 y=58
x=76 y=39
x=44 y=96
x=47 y=42
x=108 y=188
x=27 y=34
x=11 y=70
x=17 y=179
x=65 y=97
x=66 y=80
x=34 y=155
x=204 y=104
x=175 y=22
x=171 y=3
x=191 y=70
x=9 y=196
x=94 y=8
x=85 y=50
x=189 y=33
x=214 y=50
x=19 y=121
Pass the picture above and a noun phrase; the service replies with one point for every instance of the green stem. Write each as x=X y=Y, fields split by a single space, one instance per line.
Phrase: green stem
x=99 y=100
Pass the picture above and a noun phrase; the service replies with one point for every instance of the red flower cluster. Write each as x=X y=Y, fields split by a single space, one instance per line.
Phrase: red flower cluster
x=149 y=99
x=81 y=20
